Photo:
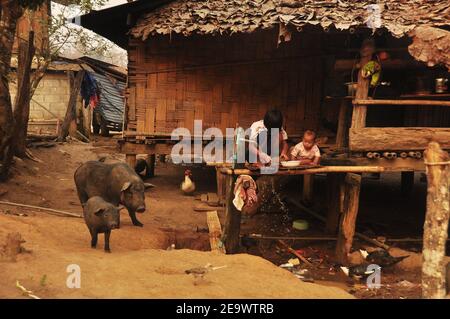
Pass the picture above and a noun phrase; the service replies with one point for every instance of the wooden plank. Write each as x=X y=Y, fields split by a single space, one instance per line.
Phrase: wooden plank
x=215 y=232
x=348 y=218
x=397 y=138
x=402 y=102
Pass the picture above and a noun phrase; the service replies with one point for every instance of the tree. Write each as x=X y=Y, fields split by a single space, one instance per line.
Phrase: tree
x=13 y=126
x=10 y=12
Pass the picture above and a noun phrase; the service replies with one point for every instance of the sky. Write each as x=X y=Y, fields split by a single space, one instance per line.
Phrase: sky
x=118 y=56
x=112 y=3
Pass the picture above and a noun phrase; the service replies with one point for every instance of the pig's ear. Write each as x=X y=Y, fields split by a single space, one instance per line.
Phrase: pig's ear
x=149 y=185
x=125 y=186
x=99 y=211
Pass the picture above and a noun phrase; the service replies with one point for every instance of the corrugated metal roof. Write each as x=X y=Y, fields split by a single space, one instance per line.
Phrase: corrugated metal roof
x=111 y=103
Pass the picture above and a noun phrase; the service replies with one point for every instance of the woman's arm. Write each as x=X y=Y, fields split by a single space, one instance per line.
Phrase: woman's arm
x=284 y=150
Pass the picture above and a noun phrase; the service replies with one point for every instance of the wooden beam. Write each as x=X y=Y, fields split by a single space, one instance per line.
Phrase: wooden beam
x=215 y=232
x=70 y=116
x=402 y=102
x=436 y=222
x=221 y=191
x=294 y=252
x=391 y=165
x=135 y=148
x=348 y=218
x=392 y=64
x=232 y=227
x=362 y=88
x=397 y=138
x=342 y=125
x=319 y=170
x=151 y=161
x=335 y=197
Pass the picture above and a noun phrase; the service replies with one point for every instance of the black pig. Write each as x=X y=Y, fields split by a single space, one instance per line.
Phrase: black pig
x=100 y=217
x=116 y=183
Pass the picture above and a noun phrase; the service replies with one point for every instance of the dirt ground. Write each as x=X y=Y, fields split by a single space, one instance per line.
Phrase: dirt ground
x=141 y=266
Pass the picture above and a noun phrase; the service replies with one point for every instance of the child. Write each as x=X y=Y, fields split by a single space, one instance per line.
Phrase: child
x=307 y=151
x=272 y=119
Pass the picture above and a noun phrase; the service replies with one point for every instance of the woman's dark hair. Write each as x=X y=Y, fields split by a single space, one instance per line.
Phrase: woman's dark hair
x=273 y=119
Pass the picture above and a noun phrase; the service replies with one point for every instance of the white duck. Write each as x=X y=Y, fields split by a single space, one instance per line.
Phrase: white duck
x=188 y=186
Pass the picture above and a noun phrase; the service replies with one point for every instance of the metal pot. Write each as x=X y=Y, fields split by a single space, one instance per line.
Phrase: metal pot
x=441 y=85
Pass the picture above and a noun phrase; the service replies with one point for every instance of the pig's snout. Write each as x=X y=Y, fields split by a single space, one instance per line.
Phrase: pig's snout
x=114 y=225
x=140 y=209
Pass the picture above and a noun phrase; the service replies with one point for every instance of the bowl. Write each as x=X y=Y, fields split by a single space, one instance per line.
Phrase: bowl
x=290 y=163
x=300 y=224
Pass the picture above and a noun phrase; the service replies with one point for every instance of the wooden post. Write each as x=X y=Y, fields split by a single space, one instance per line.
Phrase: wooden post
x=436 y=222
x=348 y=218
x=407 y=182
x=308 y=188
x=362 y=88
x=342 y=125
x=151 y=159
x=232 y=227
x=221 y=191
x=71 y=107
x=131 y=160
x=215 y=232
x=335 y=196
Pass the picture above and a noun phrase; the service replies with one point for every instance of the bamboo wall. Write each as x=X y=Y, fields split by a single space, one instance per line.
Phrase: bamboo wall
x=223 y=80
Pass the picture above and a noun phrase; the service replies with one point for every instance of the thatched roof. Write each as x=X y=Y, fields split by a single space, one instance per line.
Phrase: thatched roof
x=229 y=16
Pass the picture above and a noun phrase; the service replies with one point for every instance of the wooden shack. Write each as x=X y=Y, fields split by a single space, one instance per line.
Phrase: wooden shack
x=228 y=62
